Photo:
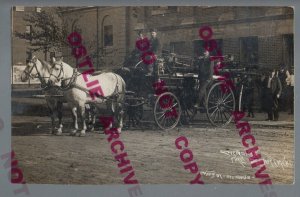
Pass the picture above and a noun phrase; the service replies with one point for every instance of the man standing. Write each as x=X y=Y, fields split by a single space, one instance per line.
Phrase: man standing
x=290 y=81
x=204 y=74
x=154 y=48
x=282 y=75
x=154 y=42
x=273 y=89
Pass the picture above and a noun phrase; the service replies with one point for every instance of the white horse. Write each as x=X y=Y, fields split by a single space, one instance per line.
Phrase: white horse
x=42 y=70
x=77 y=93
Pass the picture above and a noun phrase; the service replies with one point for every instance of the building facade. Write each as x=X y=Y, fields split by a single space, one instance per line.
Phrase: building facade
x=253 y=35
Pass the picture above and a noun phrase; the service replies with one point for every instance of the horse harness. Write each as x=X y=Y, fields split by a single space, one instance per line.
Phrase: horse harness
x=72 y=84
x=44 y=85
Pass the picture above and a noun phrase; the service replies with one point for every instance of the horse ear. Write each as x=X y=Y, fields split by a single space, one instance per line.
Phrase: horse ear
x=34 y=59
x=53 y=59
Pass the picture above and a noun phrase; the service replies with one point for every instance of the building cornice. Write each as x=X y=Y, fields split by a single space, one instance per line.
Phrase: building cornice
x=227 y=22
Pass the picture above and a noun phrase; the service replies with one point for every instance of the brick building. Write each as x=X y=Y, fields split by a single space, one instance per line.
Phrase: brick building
x=20 y=47
x=257 y=35
x=107 y=32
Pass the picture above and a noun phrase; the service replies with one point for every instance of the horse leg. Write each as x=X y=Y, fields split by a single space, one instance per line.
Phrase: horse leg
x=89 y=111
x=75 y=120
x=82 y=116
x=52 y=116
x=52 y=122
x=93 y=118
x=120 y=105
x=119 y=116
x=59 y=115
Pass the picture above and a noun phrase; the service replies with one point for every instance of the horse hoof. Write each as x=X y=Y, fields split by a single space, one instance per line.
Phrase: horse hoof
x=119 y=130
x=82 y=135
x=52 y=132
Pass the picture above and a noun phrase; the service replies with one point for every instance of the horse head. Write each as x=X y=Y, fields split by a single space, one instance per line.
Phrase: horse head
x=57 y=71
x=62 y=74
x=31 y=70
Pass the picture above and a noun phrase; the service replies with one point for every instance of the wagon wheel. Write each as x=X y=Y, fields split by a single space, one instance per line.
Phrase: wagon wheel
x=219 y=105
x=133 y=112
x=167 y=111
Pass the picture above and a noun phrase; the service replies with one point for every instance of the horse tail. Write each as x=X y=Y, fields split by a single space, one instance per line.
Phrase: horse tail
x=123 y=88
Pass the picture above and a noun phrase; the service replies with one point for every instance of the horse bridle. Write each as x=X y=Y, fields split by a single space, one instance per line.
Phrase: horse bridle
x=61 y=71
x=44 y=84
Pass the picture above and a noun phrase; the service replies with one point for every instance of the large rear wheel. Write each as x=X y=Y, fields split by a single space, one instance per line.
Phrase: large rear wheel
x=220 y=105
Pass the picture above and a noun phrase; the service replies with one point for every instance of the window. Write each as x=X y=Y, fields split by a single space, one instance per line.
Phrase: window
x=28 y=29
x=20 y=8
x=28 y=32
x=108 y=35
x=181 y=48
x=172 y=8
x=176 y=47
x=249 y=50
x=158 y=10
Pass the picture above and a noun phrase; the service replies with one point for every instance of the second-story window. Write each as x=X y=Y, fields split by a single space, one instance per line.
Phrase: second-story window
x=108 y=35
x=28 y=32
x=20 y=8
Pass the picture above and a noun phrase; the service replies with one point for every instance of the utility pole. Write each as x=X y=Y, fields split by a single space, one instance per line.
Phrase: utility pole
x=97 y=38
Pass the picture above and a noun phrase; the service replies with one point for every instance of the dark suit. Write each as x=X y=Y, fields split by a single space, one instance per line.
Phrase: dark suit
x=154 y=45
x=154 y=48
x=204 y=74
x=270 y=100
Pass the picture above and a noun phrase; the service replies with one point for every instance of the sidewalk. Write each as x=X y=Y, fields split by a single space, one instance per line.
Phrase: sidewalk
x=285 y=120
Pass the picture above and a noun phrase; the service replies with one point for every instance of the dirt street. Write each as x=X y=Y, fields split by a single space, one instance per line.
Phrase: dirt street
x=49 y=159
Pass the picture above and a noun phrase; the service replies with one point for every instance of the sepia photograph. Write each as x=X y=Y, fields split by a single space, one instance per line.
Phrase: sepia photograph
x=152 y=95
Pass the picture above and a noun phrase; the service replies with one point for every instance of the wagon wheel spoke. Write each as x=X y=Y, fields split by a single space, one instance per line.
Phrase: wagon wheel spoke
x=228 y=112
x=228 y=107
x=164 y=121
x=224 y=99
x=214 y=103
x=225 y=116
x=161 y=116
x=221 y=116
x=212 y=107
x=161 y=112
x=215 y=117
x=213 y=112
x=228 y=101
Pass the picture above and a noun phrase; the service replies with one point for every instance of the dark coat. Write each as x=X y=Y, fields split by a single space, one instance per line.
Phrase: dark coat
x=154 y=45
x=269 y=95
x=205 y=68
x=276 y=87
